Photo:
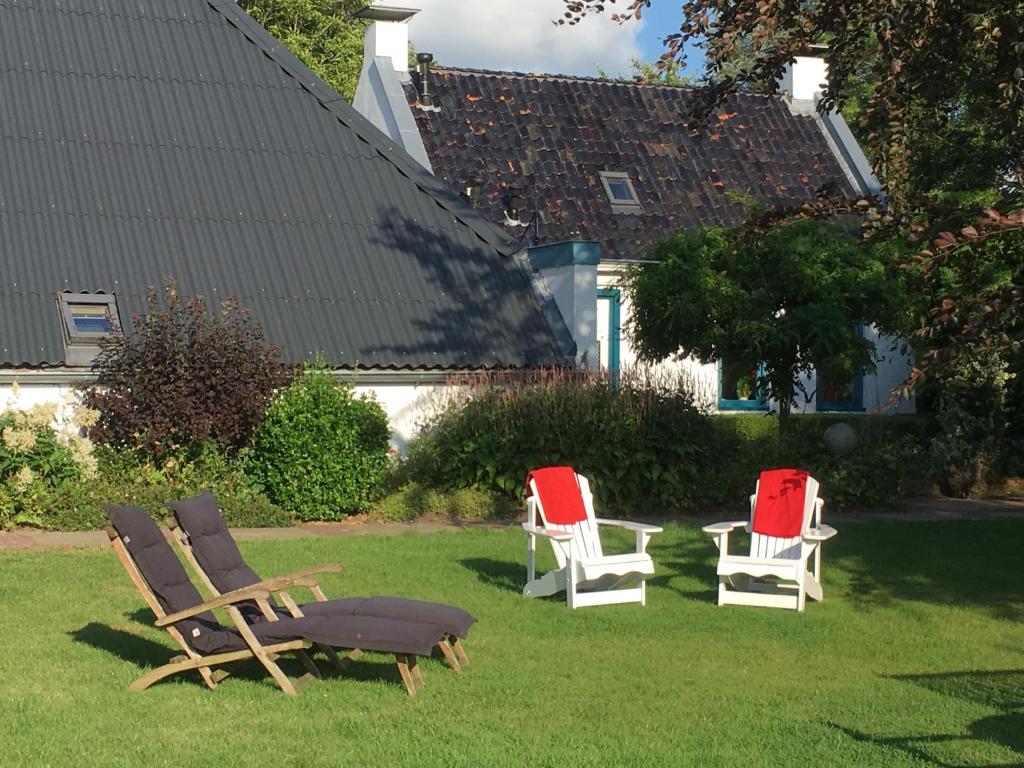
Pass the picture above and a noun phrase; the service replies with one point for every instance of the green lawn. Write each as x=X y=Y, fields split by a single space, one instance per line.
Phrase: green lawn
x=916 y=657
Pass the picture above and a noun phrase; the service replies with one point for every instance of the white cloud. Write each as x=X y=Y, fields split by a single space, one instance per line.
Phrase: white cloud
x=518 y=35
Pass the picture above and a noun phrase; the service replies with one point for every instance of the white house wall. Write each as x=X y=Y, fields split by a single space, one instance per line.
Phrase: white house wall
x=408 y=405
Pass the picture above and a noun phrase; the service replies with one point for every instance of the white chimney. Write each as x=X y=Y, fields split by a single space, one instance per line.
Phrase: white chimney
x=805 y=77
x=388 y=34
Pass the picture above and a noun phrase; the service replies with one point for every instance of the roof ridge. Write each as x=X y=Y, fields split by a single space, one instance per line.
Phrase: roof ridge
x=328 y=98
x=555 y=76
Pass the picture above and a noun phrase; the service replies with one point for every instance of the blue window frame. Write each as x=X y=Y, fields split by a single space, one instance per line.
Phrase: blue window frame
x=614 y=299
x=738 y=388
x=843 y=396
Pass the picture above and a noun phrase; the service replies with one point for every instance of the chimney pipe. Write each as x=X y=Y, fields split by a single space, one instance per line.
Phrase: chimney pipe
x=423 y=60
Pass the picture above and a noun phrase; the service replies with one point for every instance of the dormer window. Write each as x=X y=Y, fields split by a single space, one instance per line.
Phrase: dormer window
x=619 y=188
x=87 y=318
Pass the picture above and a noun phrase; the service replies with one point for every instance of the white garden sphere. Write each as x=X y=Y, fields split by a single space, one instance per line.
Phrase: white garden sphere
x=840 y=439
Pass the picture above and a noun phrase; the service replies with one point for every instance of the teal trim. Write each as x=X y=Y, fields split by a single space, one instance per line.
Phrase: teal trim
x=854 y=405
x=740 y=405
x=565 y=254
x=614 y=297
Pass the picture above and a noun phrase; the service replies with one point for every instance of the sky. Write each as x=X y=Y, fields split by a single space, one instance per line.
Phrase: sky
x=518 y=35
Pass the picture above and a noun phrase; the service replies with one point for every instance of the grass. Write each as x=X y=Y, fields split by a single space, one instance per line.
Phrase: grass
x=916 y=657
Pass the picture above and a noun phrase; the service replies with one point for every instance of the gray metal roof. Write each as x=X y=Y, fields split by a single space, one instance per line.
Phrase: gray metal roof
x=141 y=139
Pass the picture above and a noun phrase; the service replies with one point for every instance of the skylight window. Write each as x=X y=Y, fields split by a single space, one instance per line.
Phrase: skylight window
x=621 y=194
x=87 y=318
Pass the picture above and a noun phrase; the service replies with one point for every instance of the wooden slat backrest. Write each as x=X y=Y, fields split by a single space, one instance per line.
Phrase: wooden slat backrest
x=585 y=538
x=782 y=548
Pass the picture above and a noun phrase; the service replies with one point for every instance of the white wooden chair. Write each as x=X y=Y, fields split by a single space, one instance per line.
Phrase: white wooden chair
x=560 y=508
x=785 y=533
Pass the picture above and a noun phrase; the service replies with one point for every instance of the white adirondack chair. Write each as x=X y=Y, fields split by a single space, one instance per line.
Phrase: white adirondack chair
x=560 y=508
x=785 y=533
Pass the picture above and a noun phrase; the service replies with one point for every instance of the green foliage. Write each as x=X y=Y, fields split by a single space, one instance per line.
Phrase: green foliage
x=972 y=419
x=636 y=444
x=322 y=33
x=888 y=464
x=130 y=478
x=652 y=73
x=35 y=462
x=183 y=378
x=788 y=299
x=321 y=452
x=413 y=501
x=646 y=449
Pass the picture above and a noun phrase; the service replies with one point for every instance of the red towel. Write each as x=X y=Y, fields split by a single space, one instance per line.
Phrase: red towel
x=779 y=510
x=559 y=492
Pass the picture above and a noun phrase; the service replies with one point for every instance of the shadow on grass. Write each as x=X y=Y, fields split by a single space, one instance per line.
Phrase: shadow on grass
x=1006 y=730
x=146 y=654
x=964 y=563
x=501 y=574
x=1001 y=689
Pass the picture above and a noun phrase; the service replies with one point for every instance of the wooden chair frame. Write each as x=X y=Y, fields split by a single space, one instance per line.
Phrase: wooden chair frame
x=408 y=666
x=192 y=660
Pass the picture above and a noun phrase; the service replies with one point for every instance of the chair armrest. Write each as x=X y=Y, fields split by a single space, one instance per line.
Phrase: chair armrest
x=716 y=529
x=315 y=569
x=281 y=583
x=549 y=533
x=630 y=525
x=821 y=533
x=228 y=598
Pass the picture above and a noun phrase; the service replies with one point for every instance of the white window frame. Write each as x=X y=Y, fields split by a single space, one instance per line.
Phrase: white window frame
x=620 y=206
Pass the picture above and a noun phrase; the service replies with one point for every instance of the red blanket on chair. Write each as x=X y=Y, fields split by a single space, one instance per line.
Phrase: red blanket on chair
x=559 y=493
x=779 y=510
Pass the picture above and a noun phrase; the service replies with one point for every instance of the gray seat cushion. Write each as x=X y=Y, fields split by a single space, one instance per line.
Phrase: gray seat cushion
x=217 y=553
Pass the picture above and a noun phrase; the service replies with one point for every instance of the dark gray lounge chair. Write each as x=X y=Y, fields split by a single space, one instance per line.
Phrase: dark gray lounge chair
x=207 y=543
x=161 y=579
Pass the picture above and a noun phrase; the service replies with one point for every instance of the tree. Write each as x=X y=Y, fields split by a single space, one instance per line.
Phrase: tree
x=649 y=73
x=322 y=33
x=786 y=298
x=184 y=376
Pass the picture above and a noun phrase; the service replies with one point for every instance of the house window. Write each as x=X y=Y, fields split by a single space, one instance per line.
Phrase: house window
x=738 y=388
x=87 y=318
x=621 y=195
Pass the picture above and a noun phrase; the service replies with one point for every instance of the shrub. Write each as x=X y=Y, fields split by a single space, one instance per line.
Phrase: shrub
x=638 y=443
x=131 y=478
x=183 y=378
x=972 y=419
x=888 y=463
x=413 y=501
x=36 y=460
x=646 y=448
x=321 y=452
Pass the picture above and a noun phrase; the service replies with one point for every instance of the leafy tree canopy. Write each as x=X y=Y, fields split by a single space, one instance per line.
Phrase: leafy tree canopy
x=322 y=33
x=786 y=297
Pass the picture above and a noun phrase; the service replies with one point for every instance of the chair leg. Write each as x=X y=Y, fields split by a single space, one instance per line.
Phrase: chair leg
x=339 y=663
x=460 y=652
x=308 y=663
x=449 y=655
x=403 y=669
